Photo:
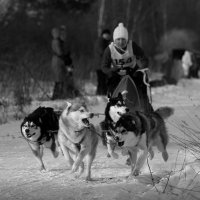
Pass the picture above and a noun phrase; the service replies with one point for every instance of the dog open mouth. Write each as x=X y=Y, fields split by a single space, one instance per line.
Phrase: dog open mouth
x=119 y=113
x=121 y=143
x=30 y=135
x=86 y=121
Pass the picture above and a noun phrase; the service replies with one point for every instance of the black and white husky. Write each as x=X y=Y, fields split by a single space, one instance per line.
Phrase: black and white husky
x=142 y=131
x=40 y=129
x=115 y=108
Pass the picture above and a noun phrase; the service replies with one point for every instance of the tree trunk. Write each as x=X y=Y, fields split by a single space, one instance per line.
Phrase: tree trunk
x=128 y=11
x=165 y=20
x=101 y=14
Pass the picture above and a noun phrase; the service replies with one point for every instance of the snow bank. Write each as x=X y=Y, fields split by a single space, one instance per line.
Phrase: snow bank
x=184 y=184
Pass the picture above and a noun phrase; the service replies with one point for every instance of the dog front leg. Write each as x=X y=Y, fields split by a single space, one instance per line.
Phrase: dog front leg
x=151 y=152
x=79 y=158
x=133 y=159
x=140 y=162
x=38 y=152
x=111 y=147
x=53 y=148
x=81 y=166
x=66 y=154
x=90 y=159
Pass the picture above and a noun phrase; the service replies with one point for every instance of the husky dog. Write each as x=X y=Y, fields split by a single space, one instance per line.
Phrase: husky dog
x=77 y=137
x=143 y=131
x=40 y=129
x=115 y=108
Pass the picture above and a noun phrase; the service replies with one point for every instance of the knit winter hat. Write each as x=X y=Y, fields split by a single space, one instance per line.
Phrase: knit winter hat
x=120 y=32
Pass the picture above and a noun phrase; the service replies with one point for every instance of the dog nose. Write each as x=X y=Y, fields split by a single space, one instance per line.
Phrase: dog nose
x=27 y=130
x=91 y=115
x=117 y=138
x=127 y=109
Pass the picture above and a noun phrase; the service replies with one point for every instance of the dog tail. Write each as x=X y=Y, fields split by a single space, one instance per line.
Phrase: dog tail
x=165 y=112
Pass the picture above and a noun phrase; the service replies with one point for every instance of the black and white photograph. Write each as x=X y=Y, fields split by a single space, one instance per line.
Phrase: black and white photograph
x=99 y=100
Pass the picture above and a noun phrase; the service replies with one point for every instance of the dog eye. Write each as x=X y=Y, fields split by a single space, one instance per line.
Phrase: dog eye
x=119 y=104
x=81 y=110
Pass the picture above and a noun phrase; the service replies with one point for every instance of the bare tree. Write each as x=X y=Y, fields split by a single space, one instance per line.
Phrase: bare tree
x=101 y=16
x=128 y=12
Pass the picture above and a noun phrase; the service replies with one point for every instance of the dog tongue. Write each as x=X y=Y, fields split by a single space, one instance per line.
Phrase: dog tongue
x=30 y=135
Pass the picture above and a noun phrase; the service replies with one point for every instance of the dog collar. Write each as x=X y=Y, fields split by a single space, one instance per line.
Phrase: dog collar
x=79 y=143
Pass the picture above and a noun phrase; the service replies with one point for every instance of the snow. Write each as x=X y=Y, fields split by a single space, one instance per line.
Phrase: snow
x=178 y=178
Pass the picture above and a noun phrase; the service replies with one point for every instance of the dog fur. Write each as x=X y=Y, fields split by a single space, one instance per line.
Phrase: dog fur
x=115 y=108
x=40 y=129
x=77 y=137
x=140 y=131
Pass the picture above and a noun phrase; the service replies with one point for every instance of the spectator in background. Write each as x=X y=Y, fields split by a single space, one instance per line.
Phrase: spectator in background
x=194 y=69
x=67 y=54
x=102 y=42
x=58 y=64
x=186 y=62
x=69 y=89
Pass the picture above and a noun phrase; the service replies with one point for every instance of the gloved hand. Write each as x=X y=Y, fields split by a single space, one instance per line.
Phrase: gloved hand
x=122 y=72
x=114 y=68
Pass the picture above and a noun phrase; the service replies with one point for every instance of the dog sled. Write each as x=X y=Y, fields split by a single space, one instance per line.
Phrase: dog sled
x=135 y=99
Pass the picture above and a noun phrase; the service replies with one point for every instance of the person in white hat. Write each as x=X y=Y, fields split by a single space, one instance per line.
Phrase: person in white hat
x=121 y=57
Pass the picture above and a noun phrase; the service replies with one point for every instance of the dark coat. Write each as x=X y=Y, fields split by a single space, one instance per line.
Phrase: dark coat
x=58 y=64
x=100 y=46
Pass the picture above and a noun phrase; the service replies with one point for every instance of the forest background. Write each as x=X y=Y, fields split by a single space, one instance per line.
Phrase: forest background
x=157 y=26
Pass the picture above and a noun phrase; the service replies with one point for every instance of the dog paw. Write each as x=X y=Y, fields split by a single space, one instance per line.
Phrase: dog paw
x=165 y=156
x=108 y=155
x=60 y=151
x=136 y=172
x=55 y=154
x=81 y=169
x=151 y=155
x=74 y=168
x=77 y=176
x=115 y=155
x=128 y=162
x=42 y=168
x=129 y=177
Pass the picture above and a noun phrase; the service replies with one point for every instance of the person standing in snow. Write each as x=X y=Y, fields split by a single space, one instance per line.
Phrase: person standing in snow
x=57 y=64
x=102 y=42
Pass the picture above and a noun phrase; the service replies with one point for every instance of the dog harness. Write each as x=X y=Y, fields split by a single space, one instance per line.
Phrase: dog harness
x=78 y=144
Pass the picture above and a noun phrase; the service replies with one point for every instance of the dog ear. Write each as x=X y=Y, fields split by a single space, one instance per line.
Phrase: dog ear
x=124 y=93
x=134 y=122
x=109 y=96
x=120 y=95
x=68 y=106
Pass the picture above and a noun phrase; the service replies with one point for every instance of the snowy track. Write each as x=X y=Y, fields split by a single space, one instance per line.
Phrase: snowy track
x=21 y=179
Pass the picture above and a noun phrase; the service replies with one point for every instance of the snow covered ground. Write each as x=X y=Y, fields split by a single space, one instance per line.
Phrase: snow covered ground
x=178 y=178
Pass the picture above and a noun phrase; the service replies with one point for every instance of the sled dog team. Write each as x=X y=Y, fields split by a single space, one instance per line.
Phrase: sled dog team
x=71 y=132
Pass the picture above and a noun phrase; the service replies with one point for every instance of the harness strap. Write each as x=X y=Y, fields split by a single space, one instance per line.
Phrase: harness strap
x=79 y=143
x=144 y=76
